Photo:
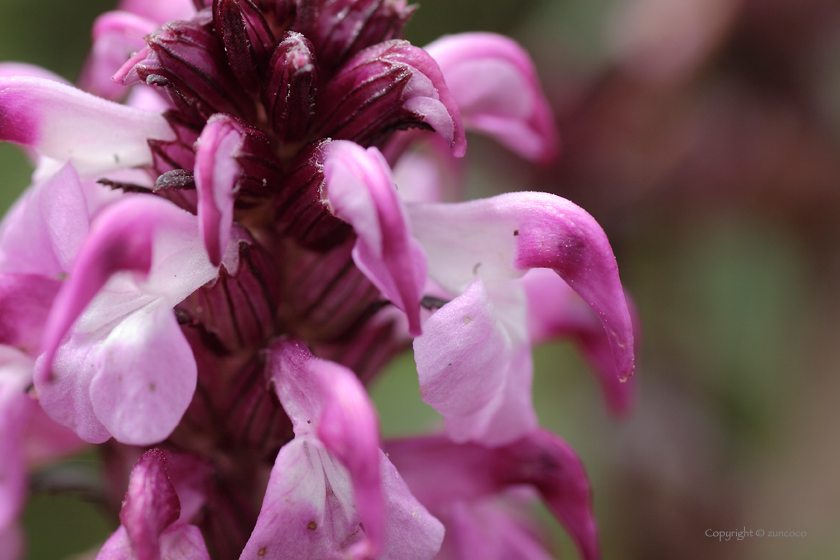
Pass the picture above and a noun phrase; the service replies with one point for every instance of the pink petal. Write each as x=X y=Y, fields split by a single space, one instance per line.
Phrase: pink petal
x=216 y=175
x=484 y=530
x=501 y=237
x=496 y=88
x=91 y=392
x=116 y=36
x=150 y=504
x=555 y=311
x=160 y=11
x=150 y=528
x=361 y=192
x=474 y=366
x=44 y=230
x=15 y=407
x=440 y=473
x=63 y=123
x=25 y=302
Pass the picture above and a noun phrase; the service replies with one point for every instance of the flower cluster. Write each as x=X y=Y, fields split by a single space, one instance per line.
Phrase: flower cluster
x=240 y=216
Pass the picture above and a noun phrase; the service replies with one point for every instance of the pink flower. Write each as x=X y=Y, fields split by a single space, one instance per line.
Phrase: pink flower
x=210 y=273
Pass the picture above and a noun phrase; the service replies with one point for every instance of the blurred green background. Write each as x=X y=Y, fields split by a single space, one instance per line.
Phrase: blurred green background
x=704 y=136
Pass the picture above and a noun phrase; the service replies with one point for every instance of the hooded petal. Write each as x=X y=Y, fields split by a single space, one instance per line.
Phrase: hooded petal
x=128 y=325
x=493 y=81
x=123 y=240
x=332 y=493
x=441 y=473
x=556 y=311
x=502 y=237
x=66 y=124
x=361 y=191
x=474 y=365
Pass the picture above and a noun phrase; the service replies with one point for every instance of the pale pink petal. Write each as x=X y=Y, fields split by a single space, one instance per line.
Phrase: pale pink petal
x=309 y=511
x=332 y=493
x=66 y=124
x=216 y=175
x=42 y=233
x=160 y=11
x=500 y=238
x=474 y=365
x=426 y=172
x=441 y=473
x=116 y=36
x=360 y=191
x=484 y=530
x=134 y=384
x=178 y=542
x=15 y=408
x=146 y=377
x=556 y=311
x=496 y=88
